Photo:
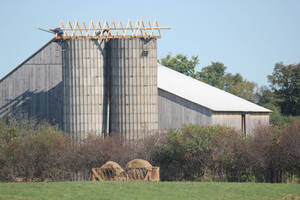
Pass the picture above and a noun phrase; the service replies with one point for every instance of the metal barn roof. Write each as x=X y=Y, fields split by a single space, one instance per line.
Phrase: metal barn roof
x=203 y=94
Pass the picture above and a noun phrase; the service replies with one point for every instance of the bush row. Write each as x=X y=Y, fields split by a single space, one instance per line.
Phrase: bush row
x=29 y=152
x=270 y=154
x=37 y=152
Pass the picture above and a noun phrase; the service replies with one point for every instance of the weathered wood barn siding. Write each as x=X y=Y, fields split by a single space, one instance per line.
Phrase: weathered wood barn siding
x=228 y=119
x=35 y=87
x=175 y=112
x=253 y=120
x=234 y=120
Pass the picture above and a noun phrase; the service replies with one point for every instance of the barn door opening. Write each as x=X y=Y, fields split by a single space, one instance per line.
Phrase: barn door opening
x=244 y=124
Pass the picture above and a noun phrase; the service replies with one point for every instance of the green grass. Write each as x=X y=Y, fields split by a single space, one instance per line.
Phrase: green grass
x=147 y=190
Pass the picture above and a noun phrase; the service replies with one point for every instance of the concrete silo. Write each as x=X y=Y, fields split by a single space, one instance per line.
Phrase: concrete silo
x=84 y=108
x=90 y=79
x=133 y=87
x=110 y=79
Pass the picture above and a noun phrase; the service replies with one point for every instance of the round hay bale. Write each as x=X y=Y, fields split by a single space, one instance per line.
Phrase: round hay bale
x=110 y=169
x=136 y=173
x=111 y=164
x=137 y=169
x=138 y=163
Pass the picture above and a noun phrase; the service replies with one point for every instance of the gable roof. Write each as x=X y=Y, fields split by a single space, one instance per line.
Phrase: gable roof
x=203 y=94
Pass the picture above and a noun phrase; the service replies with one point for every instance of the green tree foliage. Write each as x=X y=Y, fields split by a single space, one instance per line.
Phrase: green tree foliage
x=181 y=64
x=213 y=74
x=267 y=98
x=285 y=84
x=240 y=87
x=282 y=97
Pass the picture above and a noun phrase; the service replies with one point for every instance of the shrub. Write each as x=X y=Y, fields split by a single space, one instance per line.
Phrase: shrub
x=33 y=151
x=289 y=144
x=275 y=152
x=39 y=153
x=230 y=156
x=264 y=154
x=187 y=153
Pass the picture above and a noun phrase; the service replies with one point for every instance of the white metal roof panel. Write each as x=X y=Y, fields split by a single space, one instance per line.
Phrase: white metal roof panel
x=203 y=94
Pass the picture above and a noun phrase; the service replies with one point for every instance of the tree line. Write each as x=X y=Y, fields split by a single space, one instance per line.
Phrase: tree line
x=282 y=95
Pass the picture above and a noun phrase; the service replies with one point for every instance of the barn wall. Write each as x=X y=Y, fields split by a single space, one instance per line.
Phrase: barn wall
x=234 y=120
x=229 y=119
x=256 y=119
x=175 y=112
x=35 y=87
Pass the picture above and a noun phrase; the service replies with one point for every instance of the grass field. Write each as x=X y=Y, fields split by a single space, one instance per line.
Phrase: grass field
x=147 y=190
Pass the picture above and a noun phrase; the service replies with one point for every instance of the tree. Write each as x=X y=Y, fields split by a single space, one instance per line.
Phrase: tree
x=266 y=97
x=236 y=85
x=213 y=74
x=285 y=84
x=181 y=64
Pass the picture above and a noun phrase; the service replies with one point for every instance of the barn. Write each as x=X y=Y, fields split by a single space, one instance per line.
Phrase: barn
x=183 y=100
x=111 y=84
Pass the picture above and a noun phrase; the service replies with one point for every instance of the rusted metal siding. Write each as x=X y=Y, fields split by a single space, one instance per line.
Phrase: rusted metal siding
x=133 y=89
x=34 y=88
x=175 y=112
x=84 y=83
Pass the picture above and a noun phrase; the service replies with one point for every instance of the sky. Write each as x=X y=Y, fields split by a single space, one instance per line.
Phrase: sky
x=248 y=36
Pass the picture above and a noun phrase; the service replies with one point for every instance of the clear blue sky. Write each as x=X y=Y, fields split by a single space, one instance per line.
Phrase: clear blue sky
x=249 y=37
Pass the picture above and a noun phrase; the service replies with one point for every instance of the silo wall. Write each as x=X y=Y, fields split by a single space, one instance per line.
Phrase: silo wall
x=84 y=82
x=133 y=87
